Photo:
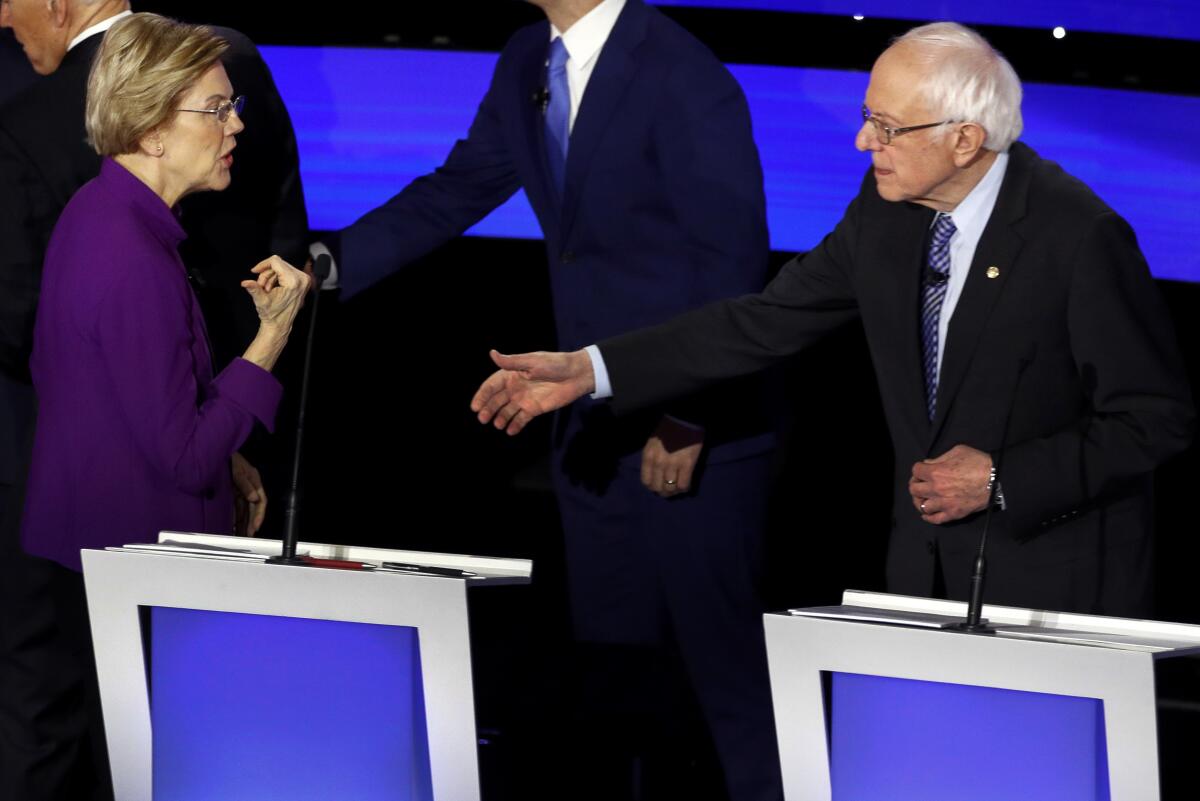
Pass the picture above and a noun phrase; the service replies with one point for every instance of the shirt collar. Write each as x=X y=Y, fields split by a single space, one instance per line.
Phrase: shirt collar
x=584 y=39
x=99 y=27
x=971 y=215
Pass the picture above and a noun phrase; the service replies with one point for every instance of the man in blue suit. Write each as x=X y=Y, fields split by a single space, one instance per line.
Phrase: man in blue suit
x=634 y=147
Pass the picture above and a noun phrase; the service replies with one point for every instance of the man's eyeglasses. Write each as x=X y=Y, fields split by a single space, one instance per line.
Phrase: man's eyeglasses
x=886 y=134
x=222 y=109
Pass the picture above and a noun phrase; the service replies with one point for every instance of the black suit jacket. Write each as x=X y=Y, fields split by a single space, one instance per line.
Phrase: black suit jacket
x=45 y=158
x=1102 y=401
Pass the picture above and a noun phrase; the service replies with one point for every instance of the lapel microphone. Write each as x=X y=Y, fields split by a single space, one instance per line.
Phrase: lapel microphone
x=932 y=277
x=541 y=98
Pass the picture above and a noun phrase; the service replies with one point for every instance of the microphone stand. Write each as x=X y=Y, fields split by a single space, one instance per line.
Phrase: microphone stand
x=974 y=622
x=287 y=554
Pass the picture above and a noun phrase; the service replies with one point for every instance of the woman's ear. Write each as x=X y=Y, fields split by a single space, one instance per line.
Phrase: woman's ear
x=152 y=144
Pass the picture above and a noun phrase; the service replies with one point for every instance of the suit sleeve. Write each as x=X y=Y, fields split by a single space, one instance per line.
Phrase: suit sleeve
x=1138 y=407
x=714 y=183
x=189 y=432
x=477 y=176
x=812 y=296
x=27 y=218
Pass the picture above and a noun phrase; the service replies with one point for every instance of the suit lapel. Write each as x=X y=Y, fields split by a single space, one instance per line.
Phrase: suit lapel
x=614 y=70
x=901 y=280
x=998 y=248
x=531 y=82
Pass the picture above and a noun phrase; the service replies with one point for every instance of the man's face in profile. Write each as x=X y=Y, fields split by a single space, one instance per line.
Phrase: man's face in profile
x=33 y=24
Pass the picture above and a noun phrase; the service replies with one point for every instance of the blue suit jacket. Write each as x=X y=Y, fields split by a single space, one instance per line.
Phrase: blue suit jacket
x=662 y=210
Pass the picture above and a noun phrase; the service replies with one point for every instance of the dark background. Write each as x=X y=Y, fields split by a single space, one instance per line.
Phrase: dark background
x=395 y=458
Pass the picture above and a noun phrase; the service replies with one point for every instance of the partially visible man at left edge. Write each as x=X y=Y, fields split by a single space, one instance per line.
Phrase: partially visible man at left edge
x=44 y=159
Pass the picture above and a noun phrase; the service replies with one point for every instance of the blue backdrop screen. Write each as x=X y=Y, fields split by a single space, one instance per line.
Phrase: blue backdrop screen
x=1178 y=19
x=254 y=706
x=906 y=740
x=369 y=121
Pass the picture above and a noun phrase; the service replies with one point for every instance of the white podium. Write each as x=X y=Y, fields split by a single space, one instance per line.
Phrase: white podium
x=846 y=678
x=177 y=636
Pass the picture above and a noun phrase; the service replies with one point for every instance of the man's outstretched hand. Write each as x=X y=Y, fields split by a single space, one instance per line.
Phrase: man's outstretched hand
x=530 y=384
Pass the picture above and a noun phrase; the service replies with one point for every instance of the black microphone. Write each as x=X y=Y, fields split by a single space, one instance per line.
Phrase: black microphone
x=974 y=622
x=932 y=277
x=541 y=98
x=287 y=556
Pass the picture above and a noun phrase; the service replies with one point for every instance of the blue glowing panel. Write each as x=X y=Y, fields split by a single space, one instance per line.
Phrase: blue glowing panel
x=254 y=706
x=1176 y=19
x=1123 y=144
x=904 y=740
x=369 y=121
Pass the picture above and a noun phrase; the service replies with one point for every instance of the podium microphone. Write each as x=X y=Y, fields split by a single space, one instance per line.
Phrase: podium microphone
x=287 y=556
x=974 y=622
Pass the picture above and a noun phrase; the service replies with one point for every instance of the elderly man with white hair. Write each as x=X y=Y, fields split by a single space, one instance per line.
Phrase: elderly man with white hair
x=1007 y=310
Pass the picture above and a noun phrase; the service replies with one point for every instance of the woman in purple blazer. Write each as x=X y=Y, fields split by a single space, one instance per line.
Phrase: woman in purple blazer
x=135 y=433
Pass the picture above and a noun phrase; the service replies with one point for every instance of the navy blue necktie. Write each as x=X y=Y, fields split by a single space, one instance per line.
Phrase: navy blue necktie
x=558 y=112
x=936 y=278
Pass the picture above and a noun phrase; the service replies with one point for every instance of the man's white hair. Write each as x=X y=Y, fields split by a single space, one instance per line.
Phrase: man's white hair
x=967 y=80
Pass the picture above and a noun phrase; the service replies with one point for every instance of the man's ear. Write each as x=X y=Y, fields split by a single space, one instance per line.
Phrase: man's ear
x=57 y=9
x=968 y=142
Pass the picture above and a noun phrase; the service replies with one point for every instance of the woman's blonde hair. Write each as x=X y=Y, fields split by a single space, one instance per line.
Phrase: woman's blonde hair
x=145 y=64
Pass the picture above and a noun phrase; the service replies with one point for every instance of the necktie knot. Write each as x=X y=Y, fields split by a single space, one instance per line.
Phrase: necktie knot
x=943 y=229
x=939 y=244
x=558 y=56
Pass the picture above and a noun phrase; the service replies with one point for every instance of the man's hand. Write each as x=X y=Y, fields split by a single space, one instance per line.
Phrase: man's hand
x=250 y=499
x=669 y=457
x=530 y=384
x=951 y=486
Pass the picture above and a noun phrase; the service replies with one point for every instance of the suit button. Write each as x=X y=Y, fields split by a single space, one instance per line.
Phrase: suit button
x=568 y=256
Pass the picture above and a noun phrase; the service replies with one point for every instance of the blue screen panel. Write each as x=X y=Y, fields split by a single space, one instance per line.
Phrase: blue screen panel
x=1123 y=144
x=904 y=740
x=249 y=707
x=1176 y=19
x=369 y=121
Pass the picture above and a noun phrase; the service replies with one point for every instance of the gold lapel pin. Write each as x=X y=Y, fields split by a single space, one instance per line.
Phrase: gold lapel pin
x=993 y=272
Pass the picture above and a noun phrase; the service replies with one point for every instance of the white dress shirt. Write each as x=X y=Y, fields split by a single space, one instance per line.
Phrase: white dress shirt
x=583 y=41
x=970 y=217
x=102 y=25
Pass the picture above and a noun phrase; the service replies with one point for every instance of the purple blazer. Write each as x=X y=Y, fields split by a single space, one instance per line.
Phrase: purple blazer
x=134 y=434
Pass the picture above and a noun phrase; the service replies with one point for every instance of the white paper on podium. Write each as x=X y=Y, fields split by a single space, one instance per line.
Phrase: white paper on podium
x=172 y=547
x=868 y=614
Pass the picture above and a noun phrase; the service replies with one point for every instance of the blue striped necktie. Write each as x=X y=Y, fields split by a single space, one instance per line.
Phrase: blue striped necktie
x=936 y=278
x=558 y=112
